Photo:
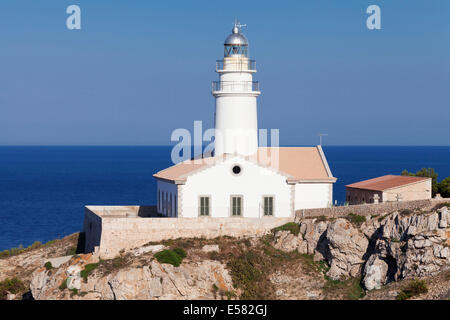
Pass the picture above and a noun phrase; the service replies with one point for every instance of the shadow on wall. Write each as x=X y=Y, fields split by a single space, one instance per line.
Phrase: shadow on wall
x=148 y=212
x=81 y=243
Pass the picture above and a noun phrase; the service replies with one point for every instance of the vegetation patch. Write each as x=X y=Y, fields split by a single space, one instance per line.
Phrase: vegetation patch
x=406 y=212
x=247 y=275
x=292 y=227
x=48 y=265
x=71 y=251
x=73 y=292
x=11 y=285
x=349 y=289
x=63 y=285
x=16 y=251
x=110 y=265
x=414 y=288
x=87 y=270
x=381 y=218
x=355 y=219
x=314 y=266
x=173 y=257
x=250 y=268
x=441 y=205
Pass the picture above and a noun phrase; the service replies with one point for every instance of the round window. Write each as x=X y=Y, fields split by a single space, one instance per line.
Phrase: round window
x=236 y=169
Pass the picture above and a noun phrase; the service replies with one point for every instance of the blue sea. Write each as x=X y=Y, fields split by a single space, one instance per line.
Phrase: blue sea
x=43 y=190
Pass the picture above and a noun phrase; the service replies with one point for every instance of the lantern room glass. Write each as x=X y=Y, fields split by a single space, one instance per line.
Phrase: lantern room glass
x=236 y=50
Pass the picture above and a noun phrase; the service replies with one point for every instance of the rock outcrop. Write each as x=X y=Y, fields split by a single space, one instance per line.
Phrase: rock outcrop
x=346 y=247
x=382 y=249
x=150 y=280
x=411 y=246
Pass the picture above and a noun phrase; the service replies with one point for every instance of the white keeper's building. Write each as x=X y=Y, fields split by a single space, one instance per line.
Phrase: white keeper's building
x=243 y=179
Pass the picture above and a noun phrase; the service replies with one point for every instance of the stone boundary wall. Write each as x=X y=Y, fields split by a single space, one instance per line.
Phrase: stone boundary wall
x=368 y=209
x=122 y=233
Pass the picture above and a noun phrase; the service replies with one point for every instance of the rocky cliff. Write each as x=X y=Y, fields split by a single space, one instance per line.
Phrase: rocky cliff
x=316 y=258
x=381 y=249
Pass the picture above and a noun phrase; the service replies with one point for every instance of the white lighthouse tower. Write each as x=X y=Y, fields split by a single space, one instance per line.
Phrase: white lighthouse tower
x=236 y=124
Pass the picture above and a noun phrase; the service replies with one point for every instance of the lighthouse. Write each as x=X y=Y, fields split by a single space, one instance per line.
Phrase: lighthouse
x=242 y=179
x=235 y=93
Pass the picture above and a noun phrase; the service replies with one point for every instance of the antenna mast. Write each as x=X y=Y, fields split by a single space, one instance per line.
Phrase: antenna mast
x=320 y=137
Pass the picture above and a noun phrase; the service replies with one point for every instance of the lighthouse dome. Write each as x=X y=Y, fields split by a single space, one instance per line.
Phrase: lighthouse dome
x=236 y=38
x=236 y=44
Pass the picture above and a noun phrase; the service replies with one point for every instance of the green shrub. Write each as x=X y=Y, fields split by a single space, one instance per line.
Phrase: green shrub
x=4 y=254
x=444 y=189
x=181 y=252
x=406 y=212
x=35 y=245
x=48 y=265
x=173 y=257
x=87 y=270
x=71 y=251
x=414 y=288
x=246 y=274
x=355 y=218
x=16 y=251
x=73 y=292
x=50 y=242
x=292 y=227
x=63 y=285
x=11 y=285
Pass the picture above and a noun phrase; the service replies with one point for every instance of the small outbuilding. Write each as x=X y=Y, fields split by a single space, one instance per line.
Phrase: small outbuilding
x=389 y=188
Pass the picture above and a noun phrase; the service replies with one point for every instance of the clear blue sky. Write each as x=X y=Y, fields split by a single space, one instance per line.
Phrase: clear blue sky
x=139 y=69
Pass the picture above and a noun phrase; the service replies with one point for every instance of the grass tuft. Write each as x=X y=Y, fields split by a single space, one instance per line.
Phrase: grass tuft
x=11 y=285
x=292 y=227
x=356 y=219
x=87 y=270
x=413 y=288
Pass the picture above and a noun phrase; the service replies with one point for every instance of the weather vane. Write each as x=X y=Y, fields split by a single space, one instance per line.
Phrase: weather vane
x=237 y=24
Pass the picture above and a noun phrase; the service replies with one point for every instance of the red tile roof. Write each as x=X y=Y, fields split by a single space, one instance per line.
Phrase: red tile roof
x=385 y=182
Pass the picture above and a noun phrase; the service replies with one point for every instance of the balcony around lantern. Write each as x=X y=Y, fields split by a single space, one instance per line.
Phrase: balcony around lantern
x=235 y=87
x=235 y=65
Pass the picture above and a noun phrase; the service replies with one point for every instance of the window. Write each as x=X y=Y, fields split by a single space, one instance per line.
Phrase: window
x=169 y=209
x=236 y=206
x=268 y=206
x=165 y=202
x=236 y=169
x=204 y=206
x=159 y=200
x=175 y=214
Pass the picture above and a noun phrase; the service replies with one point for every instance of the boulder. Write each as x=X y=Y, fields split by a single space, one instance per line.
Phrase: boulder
x=152 y=248
x=346 y=248
x=210 y=248
x=286 y=241
x=375 y=273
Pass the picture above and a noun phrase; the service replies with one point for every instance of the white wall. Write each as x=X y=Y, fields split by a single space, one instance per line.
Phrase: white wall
x=166 y=207
x=313 y=195
x=236 y=120
x=236 y=125
x=252 y=183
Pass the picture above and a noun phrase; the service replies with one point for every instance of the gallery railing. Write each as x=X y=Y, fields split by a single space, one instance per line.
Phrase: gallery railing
x=235 y=86
x=236 y=65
